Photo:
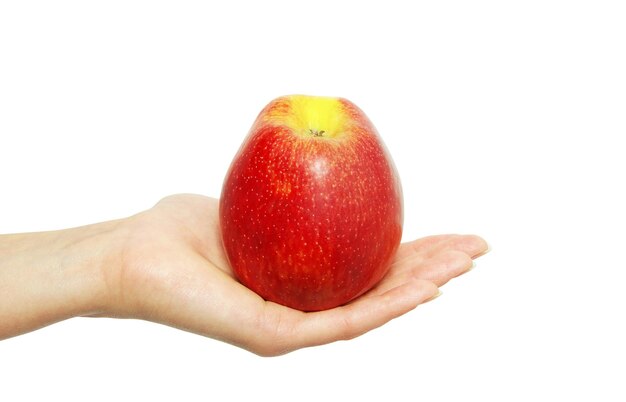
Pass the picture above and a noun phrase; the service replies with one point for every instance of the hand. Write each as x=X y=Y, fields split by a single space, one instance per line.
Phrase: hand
x=172 y=269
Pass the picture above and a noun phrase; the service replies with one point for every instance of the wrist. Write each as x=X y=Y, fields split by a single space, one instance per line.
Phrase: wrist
x=90 y=256
x=51 y=276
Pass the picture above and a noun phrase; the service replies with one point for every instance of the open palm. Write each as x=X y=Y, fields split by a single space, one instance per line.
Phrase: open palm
x=174 y=271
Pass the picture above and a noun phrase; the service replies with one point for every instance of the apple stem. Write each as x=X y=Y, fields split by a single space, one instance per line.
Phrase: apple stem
x=316 y=133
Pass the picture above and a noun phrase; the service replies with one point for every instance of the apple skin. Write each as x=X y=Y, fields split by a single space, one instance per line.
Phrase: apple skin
x=311 y=210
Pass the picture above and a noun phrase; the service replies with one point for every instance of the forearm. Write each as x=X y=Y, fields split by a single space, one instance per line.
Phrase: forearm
x=51 y=276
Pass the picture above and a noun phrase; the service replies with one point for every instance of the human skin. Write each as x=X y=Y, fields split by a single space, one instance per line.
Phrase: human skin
x=167 y=265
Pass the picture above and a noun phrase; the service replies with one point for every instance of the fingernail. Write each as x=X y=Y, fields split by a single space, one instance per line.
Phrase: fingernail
x=471 y=266
x=439 y=293
x=484 y=252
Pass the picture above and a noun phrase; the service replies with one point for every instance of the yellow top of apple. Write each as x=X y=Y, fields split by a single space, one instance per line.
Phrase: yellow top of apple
x=310 y=116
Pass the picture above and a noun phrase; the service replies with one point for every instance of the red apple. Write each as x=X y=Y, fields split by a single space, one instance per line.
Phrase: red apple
x=311 y=207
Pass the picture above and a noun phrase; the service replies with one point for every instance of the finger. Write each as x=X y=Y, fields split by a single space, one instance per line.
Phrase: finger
x=362 y=315
x=443 y=267
x=421 y=245
x=472 y=245
x=438 y=269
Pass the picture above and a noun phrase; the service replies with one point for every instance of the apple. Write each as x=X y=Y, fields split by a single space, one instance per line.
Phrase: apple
x=311 y=207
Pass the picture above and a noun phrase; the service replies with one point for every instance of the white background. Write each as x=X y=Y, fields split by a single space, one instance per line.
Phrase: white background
x=505 y=119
